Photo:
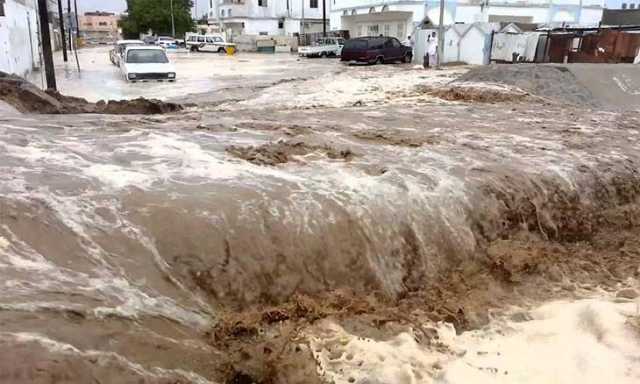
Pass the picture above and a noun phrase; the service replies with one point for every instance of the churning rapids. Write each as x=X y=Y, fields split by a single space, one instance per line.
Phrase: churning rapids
x=124 y=238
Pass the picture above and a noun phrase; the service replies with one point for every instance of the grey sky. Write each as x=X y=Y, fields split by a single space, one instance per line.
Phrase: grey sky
x=120 y=5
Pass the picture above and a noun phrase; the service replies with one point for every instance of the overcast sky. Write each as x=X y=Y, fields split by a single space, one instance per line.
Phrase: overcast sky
x=120 y=5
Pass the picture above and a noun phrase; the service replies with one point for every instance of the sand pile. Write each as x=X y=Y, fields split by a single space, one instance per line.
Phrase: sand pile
x=548 y=81
x=27 y=98
x=477 y=92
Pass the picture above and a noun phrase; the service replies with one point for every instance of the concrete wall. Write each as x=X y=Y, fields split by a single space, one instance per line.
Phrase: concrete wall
x=18 y=38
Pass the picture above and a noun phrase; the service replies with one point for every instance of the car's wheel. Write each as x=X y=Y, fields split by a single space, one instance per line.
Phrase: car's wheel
x=380 y=60
x=222 y=50
x=194 y=48
x=407 y=58
x=323 y=54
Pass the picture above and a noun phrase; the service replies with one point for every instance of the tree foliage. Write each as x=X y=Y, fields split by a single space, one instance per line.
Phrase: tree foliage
x=155 y=15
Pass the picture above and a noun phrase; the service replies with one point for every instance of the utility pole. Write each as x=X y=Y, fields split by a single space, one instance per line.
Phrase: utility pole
x=440 y=34
x=75 y=12
x=63 y=37
x=324 y=18
x=46 y=45
x=70 y=23
x=302 y=22
x=173 y=23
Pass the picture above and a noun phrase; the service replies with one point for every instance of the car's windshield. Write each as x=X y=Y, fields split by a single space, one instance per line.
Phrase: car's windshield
x=144 y=56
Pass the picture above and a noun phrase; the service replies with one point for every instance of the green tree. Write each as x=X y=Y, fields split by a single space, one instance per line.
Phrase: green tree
x=155 y=15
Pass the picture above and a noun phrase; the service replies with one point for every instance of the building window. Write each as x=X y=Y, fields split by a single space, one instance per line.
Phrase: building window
x=102 y=24
x=313 y=3
x=387 y=30
x=280 y=24
x=624 y=5
x=262 y=3
x=373 y=30
x=263 y=33
x=632 y=6
x=2 y=8
x=222 y=13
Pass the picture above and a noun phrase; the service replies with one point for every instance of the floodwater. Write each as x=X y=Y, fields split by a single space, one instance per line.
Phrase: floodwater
x=124 y=238
x=197 y=73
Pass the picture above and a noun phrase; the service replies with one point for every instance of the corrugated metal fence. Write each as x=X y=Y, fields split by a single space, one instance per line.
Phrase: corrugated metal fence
x=567 y=46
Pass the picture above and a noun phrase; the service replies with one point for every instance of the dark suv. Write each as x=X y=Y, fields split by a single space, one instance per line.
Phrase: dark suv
x=376 y=50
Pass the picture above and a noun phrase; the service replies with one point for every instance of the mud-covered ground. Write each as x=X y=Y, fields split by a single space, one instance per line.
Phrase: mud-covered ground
x=364 y=225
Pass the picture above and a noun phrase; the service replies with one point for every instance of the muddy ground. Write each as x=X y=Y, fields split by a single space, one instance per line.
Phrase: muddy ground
x=215 y=245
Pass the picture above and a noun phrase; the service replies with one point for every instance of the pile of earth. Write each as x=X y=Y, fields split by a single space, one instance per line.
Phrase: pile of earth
x=27 y=98
x=283 y=151
x=548 y=81
x=476 y=92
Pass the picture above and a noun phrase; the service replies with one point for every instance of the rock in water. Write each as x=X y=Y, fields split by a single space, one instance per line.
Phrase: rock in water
x=627 y=293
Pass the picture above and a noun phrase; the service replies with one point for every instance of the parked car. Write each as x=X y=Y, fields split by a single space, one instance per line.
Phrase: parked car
x=151 y=40
x=118 y=50
x=146 y=63
x=376 y=50
x=329 y=46
x=167 y=42
x=207 y=43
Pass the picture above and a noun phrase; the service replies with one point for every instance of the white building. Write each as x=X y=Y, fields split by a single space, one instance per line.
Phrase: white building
x=19 y=50
x=268 y=17
x=400 y=18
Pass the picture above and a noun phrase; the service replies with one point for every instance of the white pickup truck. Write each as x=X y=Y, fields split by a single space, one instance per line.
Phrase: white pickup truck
x=328 y=46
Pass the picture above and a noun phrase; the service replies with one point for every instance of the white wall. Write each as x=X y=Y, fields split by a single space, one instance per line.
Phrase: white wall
x=475 y=47
x=18 y=48
x=257 y=26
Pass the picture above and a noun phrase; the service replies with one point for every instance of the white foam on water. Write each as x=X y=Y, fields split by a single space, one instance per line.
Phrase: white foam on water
x=563 y=342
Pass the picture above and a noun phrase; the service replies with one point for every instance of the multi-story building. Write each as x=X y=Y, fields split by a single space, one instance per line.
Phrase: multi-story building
x=99 y=27
x=400 y=18
x=623 y=4
x=268 y=17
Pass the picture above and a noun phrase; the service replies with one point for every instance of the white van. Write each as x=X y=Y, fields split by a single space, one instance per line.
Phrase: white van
x=207 y=43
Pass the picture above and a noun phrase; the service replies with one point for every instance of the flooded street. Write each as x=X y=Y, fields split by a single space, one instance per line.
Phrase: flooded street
x=197 y=73
x=305 y=221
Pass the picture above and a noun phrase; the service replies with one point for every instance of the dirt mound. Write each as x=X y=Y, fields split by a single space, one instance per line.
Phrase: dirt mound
x=400 y=139
x=282 y=152
x=27 y=98
x=479 y=93
x=548 y=81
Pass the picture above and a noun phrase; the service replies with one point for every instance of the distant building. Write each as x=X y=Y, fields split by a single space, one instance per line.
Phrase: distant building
x=622 y=4
x=268 y=17
x=401 y=18
x=99 y=27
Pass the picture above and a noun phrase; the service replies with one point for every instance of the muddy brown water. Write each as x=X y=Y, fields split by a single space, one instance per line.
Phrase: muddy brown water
x=122 y=238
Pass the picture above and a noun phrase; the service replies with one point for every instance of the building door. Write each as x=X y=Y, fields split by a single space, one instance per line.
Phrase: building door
x=400 y=31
